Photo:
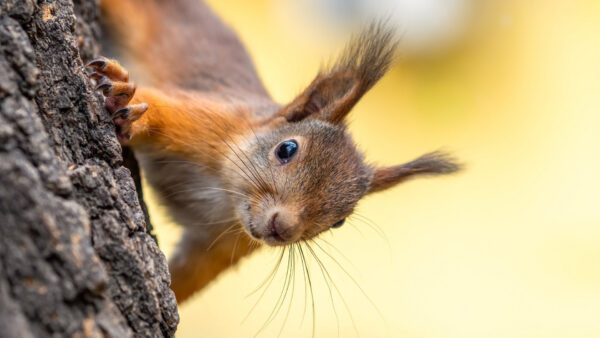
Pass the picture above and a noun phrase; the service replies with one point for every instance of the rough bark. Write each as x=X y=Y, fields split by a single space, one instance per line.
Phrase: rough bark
x=76 y=257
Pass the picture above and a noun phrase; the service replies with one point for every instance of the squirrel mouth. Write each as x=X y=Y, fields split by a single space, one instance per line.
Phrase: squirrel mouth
x=272 y=238
x=275 y=238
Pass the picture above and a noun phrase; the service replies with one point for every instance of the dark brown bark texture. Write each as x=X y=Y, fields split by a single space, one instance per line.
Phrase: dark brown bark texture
x=76 y=258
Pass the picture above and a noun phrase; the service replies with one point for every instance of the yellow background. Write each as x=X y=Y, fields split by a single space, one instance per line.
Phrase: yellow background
x=508 y=248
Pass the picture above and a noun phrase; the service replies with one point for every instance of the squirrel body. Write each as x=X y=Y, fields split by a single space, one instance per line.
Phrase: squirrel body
x=236 y=169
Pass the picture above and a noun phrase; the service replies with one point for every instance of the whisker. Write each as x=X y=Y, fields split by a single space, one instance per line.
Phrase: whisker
x=353 y=280
x=339 y=252
x=271 y=275
x=235 y=248
x=196 y=189
x=246 y=176
x=257 y=141
x=255 y=173
x=281 y=298
x=381 y=235
x=210 y=116
x=305 y=281
x=199 y=165
x=375 y=228
x=312 y=296
x=323 y=269
x=292 y=252
x=357 y=229
x=221 y=235
x=270 y=279
x=217 y=222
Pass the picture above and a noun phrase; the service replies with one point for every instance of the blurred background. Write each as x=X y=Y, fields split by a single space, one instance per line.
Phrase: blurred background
x=510 y=247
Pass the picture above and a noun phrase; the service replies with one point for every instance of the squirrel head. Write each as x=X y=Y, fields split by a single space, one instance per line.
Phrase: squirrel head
x=301 y=173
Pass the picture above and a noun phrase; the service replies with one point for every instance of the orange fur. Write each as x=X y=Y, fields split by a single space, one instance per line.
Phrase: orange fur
x=174 y=123
x=198 y=265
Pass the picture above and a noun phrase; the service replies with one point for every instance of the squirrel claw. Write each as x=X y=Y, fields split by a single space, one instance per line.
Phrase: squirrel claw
x=103 y=84
x=113 y=81
x=95 y=76
x=124 y=117
x=130 y=113
x=97 y=64
x=122 y=113
x=117 y=88
x=110 y=68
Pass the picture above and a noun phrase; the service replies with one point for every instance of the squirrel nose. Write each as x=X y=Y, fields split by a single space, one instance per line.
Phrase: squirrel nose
x=277 y=227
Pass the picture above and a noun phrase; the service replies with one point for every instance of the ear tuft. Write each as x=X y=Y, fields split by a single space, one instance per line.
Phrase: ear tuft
x=370 y=54
x=334 y=92
x=435 y=163
x=431 y=164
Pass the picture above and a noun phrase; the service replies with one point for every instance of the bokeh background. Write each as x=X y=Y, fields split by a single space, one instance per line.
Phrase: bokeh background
x=508 y=248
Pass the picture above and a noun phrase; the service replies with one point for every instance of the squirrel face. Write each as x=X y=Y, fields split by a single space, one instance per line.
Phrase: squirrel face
x=301 y=174
x=311 y=178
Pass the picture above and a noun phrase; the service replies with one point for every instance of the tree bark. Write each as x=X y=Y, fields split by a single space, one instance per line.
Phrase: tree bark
x=76 y=257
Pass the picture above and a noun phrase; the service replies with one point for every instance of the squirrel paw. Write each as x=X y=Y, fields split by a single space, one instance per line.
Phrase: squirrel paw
x=114 y=82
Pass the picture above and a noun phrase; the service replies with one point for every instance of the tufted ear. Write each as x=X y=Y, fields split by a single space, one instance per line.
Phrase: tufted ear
x=436 y=163
x=333 y=93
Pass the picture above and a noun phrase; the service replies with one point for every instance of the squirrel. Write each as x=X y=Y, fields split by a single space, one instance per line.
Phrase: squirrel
x=220 y=153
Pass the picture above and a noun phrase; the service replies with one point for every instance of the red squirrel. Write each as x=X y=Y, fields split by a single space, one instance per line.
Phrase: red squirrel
x=217 y=149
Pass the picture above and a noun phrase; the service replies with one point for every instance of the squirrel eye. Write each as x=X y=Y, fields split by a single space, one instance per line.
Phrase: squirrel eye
x=339 y=223
x=286 y=150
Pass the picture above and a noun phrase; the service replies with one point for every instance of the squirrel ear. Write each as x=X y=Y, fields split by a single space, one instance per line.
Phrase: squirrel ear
x=436 y=163
x=333 y=93
x=329 y=97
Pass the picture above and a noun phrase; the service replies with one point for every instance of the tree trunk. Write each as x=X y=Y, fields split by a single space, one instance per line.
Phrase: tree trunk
x=76 y=257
